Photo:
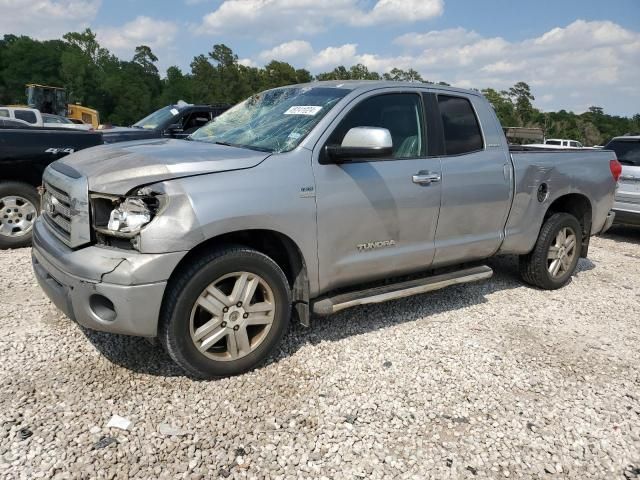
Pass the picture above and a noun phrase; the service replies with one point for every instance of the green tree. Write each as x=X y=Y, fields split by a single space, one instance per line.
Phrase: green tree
x=338 y=73
x=522 y=97
x=144 y=57
x=399 y=75
x=24 y=60
x=277 y=74
x=503 y=106
x=176 y=86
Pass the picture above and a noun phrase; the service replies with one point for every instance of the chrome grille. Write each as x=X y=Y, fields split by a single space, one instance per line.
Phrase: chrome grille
x=56 y=209
x=65 y=207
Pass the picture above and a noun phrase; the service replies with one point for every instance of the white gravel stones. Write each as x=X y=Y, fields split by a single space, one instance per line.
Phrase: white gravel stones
x=490 y=380
x=119 y=422
x=170 y=430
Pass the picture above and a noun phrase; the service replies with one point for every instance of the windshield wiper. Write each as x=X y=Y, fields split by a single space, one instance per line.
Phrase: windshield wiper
x=237 y=145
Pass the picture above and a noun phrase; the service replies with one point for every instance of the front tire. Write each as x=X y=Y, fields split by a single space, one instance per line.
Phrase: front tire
x=225 y=312
x=19 y=205
x=555 y=256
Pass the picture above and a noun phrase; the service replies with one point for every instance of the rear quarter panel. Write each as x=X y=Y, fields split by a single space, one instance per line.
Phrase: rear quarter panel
x=583 y=171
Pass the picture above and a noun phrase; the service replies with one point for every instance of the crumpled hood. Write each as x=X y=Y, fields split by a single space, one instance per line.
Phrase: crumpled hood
x=118 y=168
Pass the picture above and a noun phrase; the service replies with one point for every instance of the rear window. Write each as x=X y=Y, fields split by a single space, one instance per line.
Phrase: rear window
x=26 y=115
x=553 y=142
x=9 y=123
x=627 y=151
x=461 y=129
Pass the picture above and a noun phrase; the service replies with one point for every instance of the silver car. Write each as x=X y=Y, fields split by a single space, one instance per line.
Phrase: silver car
x=306 y=199
x=627 y=205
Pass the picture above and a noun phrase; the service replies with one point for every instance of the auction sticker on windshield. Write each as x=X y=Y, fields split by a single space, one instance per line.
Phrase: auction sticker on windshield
x=174 y=111
x=303 y=110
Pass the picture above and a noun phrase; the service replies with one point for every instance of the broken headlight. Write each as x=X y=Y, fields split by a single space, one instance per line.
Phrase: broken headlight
x=129 y=217
x=124 y=217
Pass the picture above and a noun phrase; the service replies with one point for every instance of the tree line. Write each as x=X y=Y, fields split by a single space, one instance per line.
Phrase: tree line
x=124 y=91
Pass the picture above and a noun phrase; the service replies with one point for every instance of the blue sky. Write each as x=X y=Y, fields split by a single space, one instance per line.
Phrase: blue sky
x=573 y=53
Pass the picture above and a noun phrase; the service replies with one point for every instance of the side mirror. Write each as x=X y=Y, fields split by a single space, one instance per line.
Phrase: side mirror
x=361 y=142
x=174 y=128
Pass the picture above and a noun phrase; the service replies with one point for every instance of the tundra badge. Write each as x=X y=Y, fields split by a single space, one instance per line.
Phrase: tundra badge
x=363 y=247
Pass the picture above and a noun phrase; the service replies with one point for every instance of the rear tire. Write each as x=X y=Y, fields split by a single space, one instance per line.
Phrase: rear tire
x=555 y=256
x=225 y=312
x=19 y=207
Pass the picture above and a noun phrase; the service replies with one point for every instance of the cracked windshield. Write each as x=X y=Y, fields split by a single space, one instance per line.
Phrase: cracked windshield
x=273 y=121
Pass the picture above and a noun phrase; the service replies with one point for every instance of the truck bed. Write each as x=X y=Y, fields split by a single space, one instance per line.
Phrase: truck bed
x=543 y=174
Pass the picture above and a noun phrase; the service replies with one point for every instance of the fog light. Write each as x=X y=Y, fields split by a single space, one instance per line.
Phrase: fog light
x=102 y=307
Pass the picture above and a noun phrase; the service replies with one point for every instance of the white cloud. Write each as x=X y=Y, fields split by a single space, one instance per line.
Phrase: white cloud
x=247 y=62
x=573 y=67
x=399 y=11
x=334 y=56
x=436 y=38
x=45 y=19
x=122 y=40
x=275 y=18
x=294 y=50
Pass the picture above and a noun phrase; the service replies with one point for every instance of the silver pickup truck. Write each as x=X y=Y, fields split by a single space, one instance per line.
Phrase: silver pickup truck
x=306 y=199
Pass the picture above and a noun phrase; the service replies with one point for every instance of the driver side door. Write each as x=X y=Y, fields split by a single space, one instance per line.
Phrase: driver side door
x=374 y=219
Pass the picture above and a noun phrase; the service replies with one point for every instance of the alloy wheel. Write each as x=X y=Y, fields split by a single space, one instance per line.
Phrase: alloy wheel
x=232 y=316
x=562 y=252
x=17 y=215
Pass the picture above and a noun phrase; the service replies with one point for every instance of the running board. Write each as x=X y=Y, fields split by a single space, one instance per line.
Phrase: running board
x=329 y=305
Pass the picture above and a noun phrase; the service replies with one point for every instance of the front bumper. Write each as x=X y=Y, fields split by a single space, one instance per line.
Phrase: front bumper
x=111 y=290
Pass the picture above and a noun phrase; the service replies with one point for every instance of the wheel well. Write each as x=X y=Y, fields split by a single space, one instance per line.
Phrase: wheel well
x=579 y=206
x=278 y=247
x=18 y=173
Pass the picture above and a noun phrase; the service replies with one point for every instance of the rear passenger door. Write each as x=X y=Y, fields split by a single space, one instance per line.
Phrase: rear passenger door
x=476 y=180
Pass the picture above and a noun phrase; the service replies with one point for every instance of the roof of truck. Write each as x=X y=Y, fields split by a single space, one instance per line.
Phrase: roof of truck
x=373 y=84
x=629 y=138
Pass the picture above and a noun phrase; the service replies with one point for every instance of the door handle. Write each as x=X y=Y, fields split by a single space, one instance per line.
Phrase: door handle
x=426 y=178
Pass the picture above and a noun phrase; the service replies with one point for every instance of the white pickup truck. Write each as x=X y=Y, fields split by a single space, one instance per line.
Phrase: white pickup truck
x=34 y=118
x=556 y=143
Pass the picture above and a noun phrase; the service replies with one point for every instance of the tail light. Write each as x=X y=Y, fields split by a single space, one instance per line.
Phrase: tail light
x=616 y=169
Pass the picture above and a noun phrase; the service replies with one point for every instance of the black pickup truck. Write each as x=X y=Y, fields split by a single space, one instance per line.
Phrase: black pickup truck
x=173 y=121
x=24 y=154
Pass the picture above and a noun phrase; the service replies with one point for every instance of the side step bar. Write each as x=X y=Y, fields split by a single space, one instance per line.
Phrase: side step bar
x=329 y=305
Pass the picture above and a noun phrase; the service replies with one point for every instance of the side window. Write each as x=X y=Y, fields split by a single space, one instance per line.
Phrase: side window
x=196 y=120
x=26 y=115
x=461 y=129
x=4 y=113
x=573 y=144
x=400 y=113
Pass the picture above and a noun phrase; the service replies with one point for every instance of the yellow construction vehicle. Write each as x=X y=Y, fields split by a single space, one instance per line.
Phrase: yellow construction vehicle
x=49 y=99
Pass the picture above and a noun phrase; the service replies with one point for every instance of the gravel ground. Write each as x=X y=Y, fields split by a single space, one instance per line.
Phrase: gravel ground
x=489 y=380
